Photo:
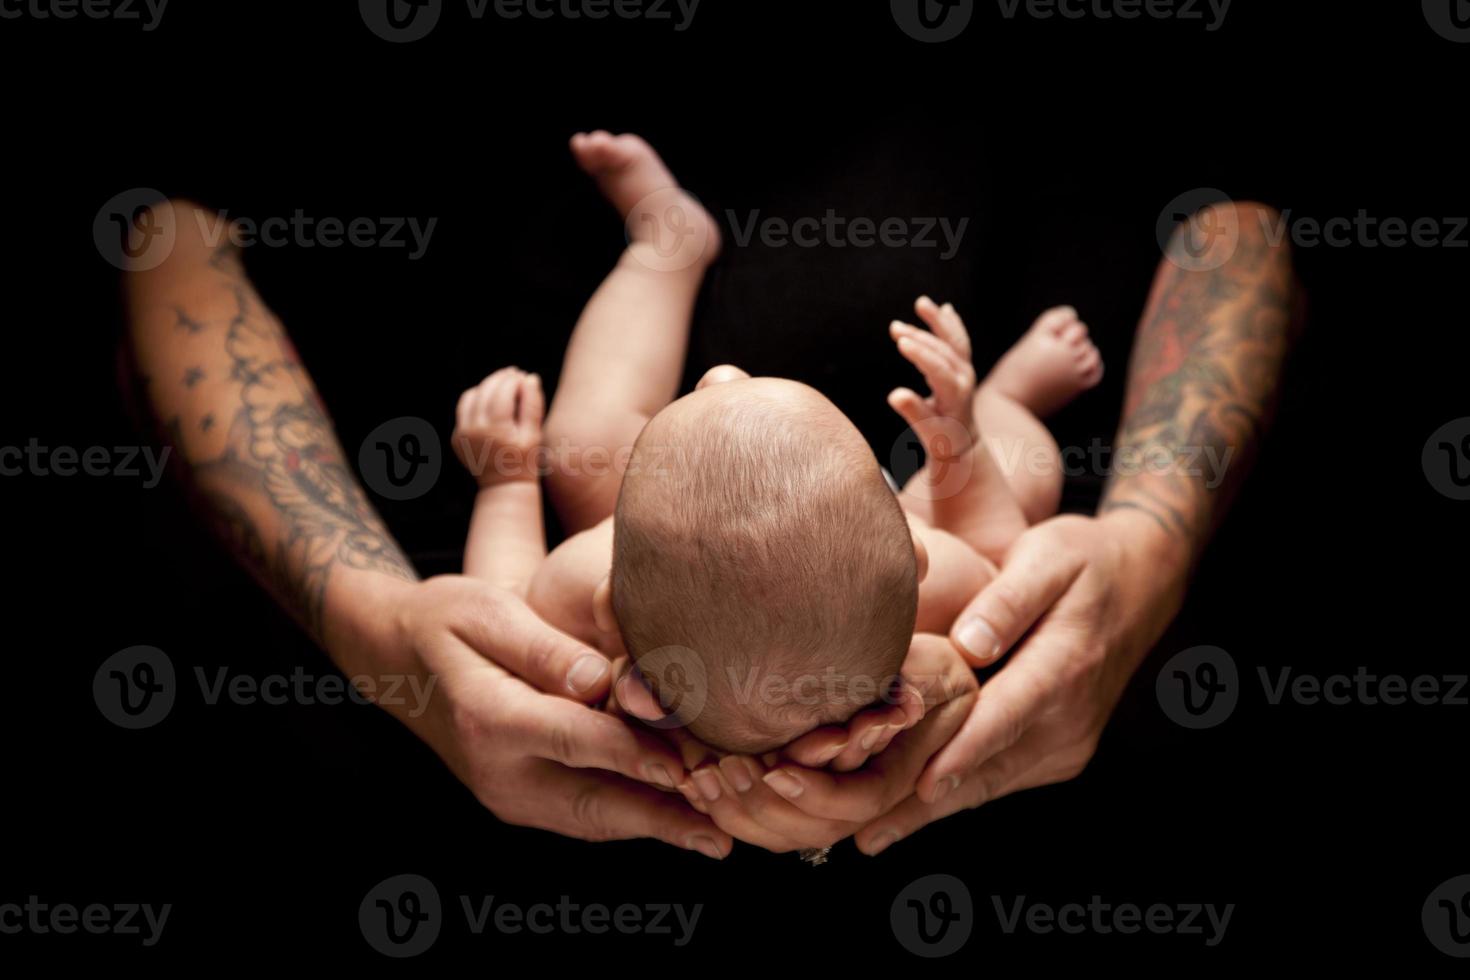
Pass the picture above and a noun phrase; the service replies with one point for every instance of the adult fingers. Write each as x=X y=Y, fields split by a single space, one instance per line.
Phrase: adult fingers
x=1015 y=769
x=599 y=806
x=744 y=804
x=503 y=629
x=579 y=737
x=1010 y=703
x=1035 y=575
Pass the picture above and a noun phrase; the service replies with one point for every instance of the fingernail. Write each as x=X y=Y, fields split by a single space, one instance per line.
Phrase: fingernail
x=658 y=774
x=831 y=753
x=870 y=737
x=880 y=843
x=587 y=673
x=889 y=733
x=784 y=783
x=709 y=784
x=942 y=788
x=978 y=639
x=707 y=847
x=738 y=775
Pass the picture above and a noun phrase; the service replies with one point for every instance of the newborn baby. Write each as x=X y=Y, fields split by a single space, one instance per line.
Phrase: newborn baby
x=741 y=544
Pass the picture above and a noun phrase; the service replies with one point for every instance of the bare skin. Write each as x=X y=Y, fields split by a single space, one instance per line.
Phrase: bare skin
x=1091 y=596
x=622 y=365
x=506 y=713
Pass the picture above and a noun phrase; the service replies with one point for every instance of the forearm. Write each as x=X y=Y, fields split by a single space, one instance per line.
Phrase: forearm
x=507 y=540
x=1203 y=379
x=257 y=449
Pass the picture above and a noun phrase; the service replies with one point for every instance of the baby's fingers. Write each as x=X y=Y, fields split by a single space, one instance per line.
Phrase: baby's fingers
x=940 y=367
x=910 y=407
x=946 y=324
x=531 y=403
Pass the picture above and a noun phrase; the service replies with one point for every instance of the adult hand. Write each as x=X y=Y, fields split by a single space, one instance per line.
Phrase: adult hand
x=505 y=714
x=1095 y=594
x=783 y=806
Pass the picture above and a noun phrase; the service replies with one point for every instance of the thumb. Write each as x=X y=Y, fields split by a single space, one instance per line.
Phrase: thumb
x=1036 y=574
x=504 y=629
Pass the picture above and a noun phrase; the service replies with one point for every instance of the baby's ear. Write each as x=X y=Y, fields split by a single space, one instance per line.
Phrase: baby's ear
x=602 y=607
x=921 y=554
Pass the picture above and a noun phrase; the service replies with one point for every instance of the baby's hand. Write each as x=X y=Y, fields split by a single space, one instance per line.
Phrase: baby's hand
x=497 y=430
x=945 y=421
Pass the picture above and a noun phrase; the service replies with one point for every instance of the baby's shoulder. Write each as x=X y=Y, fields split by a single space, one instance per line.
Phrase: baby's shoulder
x=561 y=591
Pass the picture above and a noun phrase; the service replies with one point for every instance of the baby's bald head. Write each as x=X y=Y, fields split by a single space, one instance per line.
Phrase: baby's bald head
x=761 y=563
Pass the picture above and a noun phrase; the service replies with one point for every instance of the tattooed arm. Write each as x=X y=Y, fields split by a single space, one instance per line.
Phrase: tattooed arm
x=1203 y=378
x=246 y=421
x=496 y=690
x=1083 y=600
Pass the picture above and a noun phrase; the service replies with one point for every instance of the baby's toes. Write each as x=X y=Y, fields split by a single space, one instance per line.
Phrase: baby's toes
x=1074 y=335
x=1089 y=365
x=1054 y=320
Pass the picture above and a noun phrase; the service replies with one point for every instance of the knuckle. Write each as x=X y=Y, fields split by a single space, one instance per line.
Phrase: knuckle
x=590 y=814
x=560 y=744
x=1004 y=604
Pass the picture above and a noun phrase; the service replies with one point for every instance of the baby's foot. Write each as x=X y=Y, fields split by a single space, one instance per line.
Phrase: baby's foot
x=1054 y=363
x=675 y=228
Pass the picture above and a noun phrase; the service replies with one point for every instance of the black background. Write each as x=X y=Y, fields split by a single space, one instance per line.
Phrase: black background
x=1062 y=140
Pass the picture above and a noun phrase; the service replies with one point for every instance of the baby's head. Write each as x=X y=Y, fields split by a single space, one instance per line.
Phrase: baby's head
x=764 y=576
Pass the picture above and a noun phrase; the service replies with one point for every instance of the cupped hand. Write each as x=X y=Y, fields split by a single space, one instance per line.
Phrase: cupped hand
x=1090 y=596
x=509 y=715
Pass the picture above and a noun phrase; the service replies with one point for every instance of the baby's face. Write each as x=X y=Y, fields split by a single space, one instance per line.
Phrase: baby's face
x=756 y=538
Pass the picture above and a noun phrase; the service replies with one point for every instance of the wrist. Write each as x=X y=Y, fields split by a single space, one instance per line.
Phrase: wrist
x=362 y=627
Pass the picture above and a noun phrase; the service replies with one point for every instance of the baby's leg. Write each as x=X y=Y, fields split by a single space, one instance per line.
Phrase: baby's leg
x=1046 y=369
x=626 y=356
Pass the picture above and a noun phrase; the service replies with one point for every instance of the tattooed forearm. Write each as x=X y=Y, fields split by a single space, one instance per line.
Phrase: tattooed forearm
x=259 y=449
x=1204 y=373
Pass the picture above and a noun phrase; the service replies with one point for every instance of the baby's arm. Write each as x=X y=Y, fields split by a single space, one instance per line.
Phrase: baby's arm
x=497 y=436
x=967 y=494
